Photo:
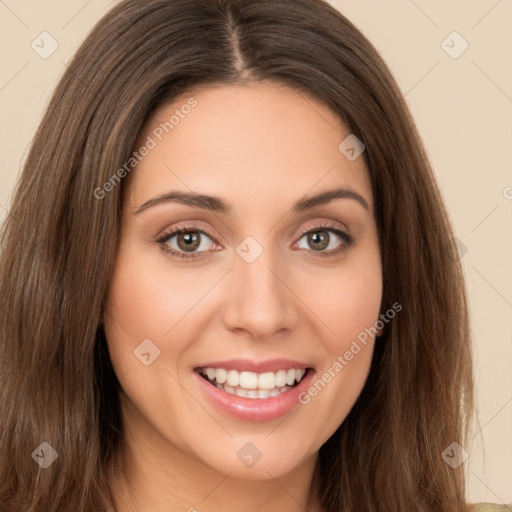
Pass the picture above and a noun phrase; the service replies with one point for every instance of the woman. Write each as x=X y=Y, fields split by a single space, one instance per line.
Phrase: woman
x=182 y=329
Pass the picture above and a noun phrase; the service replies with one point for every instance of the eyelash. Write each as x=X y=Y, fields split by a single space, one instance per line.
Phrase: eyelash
x=165 y=237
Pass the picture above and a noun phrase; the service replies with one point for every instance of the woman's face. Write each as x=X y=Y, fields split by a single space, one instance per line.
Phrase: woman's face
x=264 y=287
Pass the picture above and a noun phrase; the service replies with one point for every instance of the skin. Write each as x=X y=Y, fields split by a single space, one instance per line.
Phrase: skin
x=260 y=148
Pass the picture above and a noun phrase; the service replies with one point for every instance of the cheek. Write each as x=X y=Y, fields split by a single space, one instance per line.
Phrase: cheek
x=349 y=305
x=144 y=301
x=348 y=301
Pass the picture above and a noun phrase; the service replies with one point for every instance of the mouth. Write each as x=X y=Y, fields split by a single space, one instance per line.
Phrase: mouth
x=251 y=390
x=256 y=386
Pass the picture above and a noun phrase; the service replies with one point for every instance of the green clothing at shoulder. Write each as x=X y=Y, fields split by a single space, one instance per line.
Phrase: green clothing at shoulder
x=491 y=507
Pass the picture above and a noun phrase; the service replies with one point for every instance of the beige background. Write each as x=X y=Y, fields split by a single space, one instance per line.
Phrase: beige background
x=463 y=109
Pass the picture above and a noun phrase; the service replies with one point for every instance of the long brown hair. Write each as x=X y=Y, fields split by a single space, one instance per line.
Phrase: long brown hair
x=59 y=245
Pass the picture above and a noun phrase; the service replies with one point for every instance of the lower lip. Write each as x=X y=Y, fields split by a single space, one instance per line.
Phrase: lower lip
x=255 y=409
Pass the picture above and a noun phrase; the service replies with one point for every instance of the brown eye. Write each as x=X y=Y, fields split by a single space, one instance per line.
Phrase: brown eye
x=318 y=240
x=188 y=241
x=321 y=238
x=185 y=242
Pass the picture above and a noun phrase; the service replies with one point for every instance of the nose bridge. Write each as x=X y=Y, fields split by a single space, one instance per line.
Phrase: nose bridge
x=260 y=303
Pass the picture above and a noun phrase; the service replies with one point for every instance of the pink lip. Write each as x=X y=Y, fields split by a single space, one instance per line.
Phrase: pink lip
x=259 y=409
x=249 y=365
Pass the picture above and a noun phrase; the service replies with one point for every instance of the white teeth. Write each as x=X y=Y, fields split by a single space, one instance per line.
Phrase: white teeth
x=281 y=378
x=221 y=375
x=228 y=389
x=267 y=380
x=253 y=393
x=248 y=380
x=241 y=392
x=253 y=385
x=233 y=378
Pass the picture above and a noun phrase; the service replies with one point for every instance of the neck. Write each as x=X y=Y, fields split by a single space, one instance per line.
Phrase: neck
x=188 y=486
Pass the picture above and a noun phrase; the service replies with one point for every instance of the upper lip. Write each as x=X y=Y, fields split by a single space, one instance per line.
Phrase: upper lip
x=250 y=365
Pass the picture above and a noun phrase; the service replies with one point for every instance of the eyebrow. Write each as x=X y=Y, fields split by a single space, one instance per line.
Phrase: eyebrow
x=216 y=204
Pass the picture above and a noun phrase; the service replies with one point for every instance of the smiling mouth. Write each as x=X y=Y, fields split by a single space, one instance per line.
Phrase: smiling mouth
x=253 y=385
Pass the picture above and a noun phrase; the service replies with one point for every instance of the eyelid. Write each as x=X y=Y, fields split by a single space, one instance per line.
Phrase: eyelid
x=322 y=224
x=169 y=233
x=187 y=225
x=326 y=224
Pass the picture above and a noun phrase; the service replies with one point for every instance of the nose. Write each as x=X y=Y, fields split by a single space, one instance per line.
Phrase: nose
x=260 y=300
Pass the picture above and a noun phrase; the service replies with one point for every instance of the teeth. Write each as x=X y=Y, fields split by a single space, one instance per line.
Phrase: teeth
x=220 y=375
x=233 y=377
x=241 y=392
x=263 y=393
x=253 y=393
x=253 y=385
x=267 y=380
x=281 y=378
x=248 y=380
x=228 y=389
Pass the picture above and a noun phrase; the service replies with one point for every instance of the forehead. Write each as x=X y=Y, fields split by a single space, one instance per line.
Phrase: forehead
x=265 y=141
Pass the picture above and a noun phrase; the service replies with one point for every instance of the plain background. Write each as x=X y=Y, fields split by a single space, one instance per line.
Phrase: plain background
x=462 y=107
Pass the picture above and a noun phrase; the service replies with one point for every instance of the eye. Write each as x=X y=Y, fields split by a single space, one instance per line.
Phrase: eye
x=189 y=241
x=321 y=237
x=186 y=242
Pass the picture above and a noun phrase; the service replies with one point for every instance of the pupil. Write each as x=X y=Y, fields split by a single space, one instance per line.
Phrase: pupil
x=191 y=240
x=318 y=237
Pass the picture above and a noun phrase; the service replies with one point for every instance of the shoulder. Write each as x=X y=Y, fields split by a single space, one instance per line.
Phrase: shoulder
x=490 y=507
